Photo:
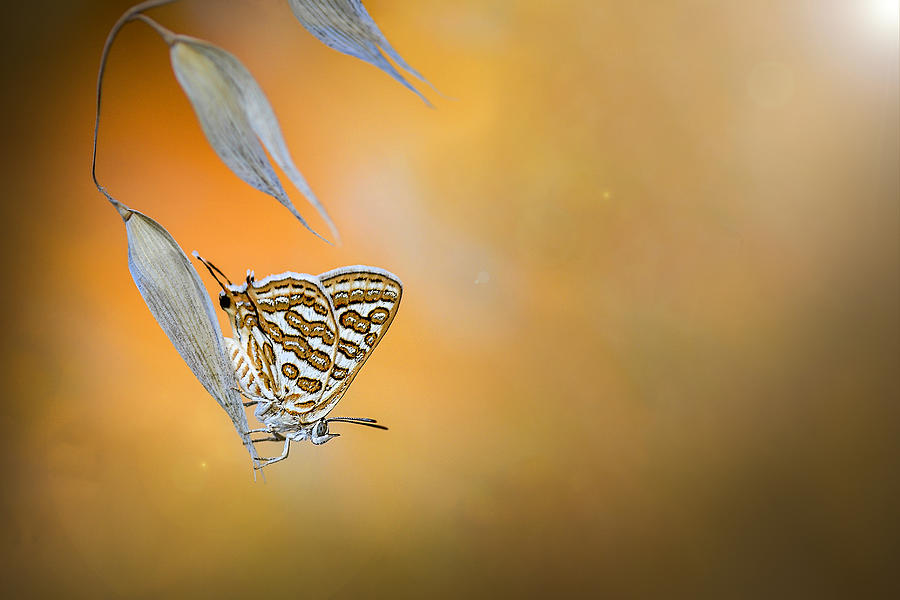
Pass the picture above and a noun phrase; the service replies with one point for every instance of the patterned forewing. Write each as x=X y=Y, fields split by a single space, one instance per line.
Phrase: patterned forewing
x=365 y=301
x=297 y=318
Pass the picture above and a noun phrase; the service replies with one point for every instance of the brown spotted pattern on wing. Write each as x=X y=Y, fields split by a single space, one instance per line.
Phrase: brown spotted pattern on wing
x=249 y=379
x=262 y=363
x=282 y=294
x=309 y=329
x=294 y=316
x=250 y=341
x=349 y=349
x=339 y=373
x=309 y=385
x=302 y=350
x=290 y=371
x=365 y=302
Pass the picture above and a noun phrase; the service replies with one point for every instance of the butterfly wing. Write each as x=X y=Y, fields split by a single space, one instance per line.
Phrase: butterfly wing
x=365 y=300
x=252 y=374
x=251 y=351
x=296 y=321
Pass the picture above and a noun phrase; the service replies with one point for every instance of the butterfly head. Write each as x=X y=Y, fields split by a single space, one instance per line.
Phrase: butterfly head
x=318 y=432
x=228 y=301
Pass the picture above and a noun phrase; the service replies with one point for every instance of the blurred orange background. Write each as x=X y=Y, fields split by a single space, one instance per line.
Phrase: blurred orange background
x=648 y=345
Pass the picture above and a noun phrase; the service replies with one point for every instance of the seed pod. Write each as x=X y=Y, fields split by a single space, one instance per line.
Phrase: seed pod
x=175 y=295
x=346 y=26
x=235 y=115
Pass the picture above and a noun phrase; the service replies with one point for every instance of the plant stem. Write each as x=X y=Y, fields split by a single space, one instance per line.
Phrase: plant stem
x=165 y=34
x=129 y=15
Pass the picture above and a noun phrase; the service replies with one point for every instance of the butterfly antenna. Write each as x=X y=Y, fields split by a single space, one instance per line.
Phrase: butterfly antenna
x=213 y=269
x=358 y=421
x=221 y=273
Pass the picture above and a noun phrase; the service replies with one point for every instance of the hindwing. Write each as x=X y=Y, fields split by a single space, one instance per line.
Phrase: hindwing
x=365 y=300
x=251 y=375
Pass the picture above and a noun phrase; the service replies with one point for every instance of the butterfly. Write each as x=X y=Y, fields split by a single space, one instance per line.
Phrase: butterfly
x=299 y=340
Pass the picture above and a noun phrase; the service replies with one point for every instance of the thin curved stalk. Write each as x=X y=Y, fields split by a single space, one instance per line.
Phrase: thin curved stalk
x=128 y=16
x=167 y=35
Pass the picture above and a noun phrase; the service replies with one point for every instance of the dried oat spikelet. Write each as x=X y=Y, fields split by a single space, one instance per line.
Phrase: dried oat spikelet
x=346 y=26
x=177 y=298
x=235 y=116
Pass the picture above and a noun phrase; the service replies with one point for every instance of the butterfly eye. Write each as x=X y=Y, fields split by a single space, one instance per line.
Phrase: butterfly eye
x=224 y=301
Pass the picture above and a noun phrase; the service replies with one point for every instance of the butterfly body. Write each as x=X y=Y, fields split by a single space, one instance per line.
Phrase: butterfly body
x=299 y=340
x=278 y=421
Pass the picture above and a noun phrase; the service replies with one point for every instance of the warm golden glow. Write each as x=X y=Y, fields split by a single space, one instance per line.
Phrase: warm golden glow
x=648 y=342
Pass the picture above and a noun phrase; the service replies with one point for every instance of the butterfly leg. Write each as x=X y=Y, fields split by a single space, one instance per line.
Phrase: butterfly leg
x=284 y=455
x=251 y=403
x=276 y=437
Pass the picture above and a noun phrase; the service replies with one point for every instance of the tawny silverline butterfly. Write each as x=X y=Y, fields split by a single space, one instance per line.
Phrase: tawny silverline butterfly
x=298 y=342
